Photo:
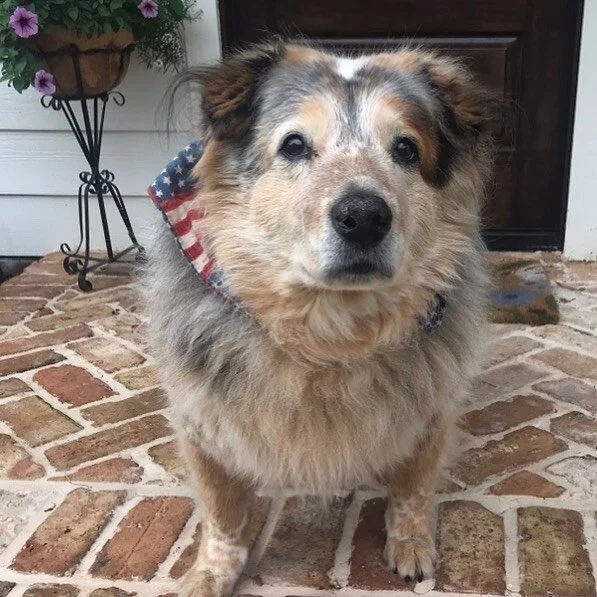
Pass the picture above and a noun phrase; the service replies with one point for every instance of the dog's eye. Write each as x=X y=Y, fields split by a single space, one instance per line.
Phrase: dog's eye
x=294 y=147
x=404 y=151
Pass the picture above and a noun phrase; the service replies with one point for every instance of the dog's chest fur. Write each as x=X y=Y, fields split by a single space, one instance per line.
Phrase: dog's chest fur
x=282 y=423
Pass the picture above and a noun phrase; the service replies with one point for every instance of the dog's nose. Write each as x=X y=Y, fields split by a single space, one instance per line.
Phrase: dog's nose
x=361 y=218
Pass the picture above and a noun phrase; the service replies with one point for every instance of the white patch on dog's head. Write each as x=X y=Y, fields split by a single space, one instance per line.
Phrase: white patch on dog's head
x=348 y=67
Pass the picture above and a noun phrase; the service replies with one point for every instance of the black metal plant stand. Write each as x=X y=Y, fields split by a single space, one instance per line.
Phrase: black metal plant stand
x=94 y=182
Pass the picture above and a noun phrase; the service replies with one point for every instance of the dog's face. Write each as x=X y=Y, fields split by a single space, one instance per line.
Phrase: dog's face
x=330 y=173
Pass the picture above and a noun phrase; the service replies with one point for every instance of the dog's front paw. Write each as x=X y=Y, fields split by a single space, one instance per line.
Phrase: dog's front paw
x=206 y=582
x=412 y=558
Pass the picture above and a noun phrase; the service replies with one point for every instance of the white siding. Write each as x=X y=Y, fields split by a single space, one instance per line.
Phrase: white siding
x=40 y=159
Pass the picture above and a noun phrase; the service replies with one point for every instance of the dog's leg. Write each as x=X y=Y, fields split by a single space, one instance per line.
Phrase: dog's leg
x=224 y=542
x=410 y=546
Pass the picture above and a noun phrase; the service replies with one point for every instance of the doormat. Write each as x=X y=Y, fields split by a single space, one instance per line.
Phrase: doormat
x=522 y=294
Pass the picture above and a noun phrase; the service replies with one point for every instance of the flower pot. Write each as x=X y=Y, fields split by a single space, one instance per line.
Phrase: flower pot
x=102 y=60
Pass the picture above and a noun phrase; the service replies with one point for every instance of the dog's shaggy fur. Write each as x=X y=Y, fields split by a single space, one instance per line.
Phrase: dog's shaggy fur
x=329 y=381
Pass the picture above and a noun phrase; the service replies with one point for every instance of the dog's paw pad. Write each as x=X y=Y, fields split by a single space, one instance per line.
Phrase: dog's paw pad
x=411 y=558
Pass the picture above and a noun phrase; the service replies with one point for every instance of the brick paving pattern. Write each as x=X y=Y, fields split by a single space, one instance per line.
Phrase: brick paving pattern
x=93 y=502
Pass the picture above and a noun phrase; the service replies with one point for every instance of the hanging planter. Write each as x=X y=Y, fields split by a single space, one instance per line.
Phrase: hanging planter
x=84 y=66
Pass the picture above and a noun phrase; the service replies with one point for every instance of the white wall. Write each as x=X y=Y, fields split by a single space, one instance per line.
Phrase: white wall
x=581 y=224
x=40 y=160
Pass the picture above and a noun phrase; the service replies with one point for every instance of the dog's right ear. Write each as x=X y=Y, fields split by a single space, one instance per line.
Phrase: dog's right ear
x=229 y=89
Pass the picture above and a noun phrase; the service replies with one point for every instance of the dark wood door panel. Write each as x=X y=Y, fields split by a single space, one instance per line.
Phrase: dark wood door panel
x=526 y=50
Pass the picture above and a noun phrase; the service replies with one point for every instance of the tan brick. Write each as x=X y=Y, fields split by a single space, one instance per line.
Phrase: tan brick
x=502 y=415
x=115 y=470
x=303 y=546
x=106 y=282
x=565 y=335
x=167 y=456
x=35 y=421
x=12 y=387
x=72 y=385
x=138 y=379
x=62 y=279
x=506 y=379
x=44 y=340
x=12 y=317
x=110 y=441
x=526 y=483
x=515 y=450
x=572 y=391
x=367 y=567
x=143 y=539
x=60 y=542
x=94 y=303
x=28 y=305
x=470 y=543
x=123 y=325
x=111 y=592
x=51 y=590
x=62 y=320
x=189 y=554
x=6 y=588
x=31 y=291
x=447 y=486
x=107 y=354
x=46 y=267
x=506 y=348
x=26 y=362
x=572 y=363
x=16 y=463
x=113 y=412
x=577 y=427
x=553 y=560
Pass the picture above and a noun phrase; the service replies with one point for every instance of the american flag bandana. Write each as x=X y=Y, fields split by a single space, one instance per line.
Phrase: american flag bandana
x=174 y=192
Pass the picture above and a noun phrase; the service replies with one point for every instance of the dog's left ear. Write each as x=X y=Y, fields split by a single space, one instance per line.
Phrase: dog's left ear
x=229 y=89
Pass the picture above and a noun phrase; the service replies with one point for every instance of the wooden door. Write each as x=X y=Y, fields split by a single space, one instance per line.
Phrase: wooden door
x=525 y=49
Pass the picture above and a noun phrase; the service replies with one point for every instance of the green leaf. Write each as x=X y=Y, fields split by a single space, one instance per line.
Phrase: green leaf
x=73 y=12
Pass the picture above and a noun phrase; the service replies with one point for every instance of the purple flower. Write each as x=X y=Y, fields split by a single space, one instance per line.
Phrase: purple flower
x=44 y=82
x=24 y=22
x=149 y=8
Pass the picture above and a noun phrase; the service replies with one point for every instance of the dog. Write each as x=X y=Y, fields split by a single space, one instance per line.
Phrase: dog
x=339 y=199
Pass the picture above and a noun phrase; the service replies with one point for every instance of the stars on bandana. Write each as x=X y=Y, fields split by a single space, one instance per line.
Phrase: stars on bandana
x=176 y=177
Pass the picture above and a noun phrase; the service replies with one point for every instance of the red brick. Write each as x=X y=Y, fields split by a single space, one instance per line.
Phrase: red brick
x=46 y=267
x=113 y=412
x=60 y=542
x=31 y=291
x=106 y=282
x=43 y=340
x=138 y=379
x=551 y=552
x=577 y=427
x=506 y=379
x=515 y=450
x=52 y=590
x=572 y=363
x=35 y=421
x=111 y=592
x=15 y=462
x=189 y=554
x=304 y=543
x=572 y=391
x=526 y=483
x=470 y=543
x=167 y=456
x=115 y=470
x=110 y=441
x=28 y=305
x=26 y=362
x=143 y=539
x=41 y=280
x=107 y=354
x=10 y=318
x=12 y=387
x=502 y=415
x=61 y=320
x=368 y=569
x=72 y=385
x=506 y=348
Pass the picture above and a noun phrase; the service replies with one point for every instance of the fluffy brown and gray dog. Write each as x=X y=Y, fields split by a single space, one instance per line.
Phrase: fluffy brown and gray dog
x=341 y=198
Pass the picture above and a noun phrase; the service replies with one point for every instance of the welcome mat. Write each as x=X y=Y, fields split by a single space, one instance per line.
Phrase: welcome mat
x=522 y=294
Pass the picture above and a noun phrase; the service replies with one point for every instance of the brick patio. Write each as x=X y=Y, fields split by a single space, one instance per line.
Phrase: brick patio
x=92 y=502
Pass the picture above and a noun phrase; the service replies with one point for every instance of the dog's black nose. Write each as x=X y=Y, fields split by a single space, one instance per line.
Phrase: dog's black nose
x=361 y=218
